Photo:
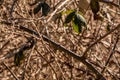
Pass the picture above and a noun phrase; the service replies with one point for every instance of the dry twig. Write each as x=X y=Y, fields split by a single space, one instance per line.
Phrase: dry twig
x=10 y=71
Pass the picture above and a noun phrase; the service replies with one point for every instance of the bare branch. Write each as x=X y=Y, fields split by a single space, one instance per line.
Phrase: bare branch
x=111 y=54
x=89 y=47
x=60 y=47
x=110 y=2
x=10 y=71
x=12 y=8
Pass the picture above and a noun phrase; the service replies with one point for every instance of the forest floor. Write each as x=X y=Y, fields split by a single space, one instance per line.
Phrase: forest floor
x=42 y=59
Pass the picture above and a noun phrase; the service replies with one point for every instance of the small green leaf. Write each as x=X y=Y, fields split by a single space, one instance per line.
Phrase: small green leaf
x=77 y=28
x=69 y=17
x=78 y=22
x=67 y=12
x=94 y=4
x=81 y=19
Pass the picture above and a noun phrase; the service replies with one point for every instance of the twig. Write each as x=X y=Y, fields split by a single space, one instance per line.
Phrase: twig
x=12 y=8
x=50 y=51
x=111 y=54
x=110 y=2
x=26 y=65
x=101 y=66
x=23 y=74
x=81 y=59
x=29 y=57
x=117 y=61
x=111 y=10
x=48 y=63
x=10 y=71
x=4 y=45
x=53 y=13
x=89 y=47
x=22 y=48
x=110 y=72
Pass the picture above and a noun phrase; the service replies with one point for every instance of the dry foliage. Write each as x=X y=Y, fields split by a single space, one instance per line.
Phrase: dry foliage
x=48 y=62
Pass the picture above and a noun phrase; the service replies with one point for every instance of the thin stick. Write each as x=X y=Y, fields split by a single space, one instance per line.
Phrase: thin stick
x=10 y=71
x=110 y=2
x=89 y=47
x=111 y=54
x=60 y=47
x=47 y=62
x=53 y=13
x=12 y=8
x=4 y=45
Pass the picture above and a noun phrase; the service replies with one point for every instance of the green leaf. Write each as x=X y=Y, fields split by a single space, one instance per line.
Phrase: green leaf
x=69 y=17
x=81 y=19
x=18 y=58
x=67 y=12
x=77 y=28
x=94 y=4
x=78 y=22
